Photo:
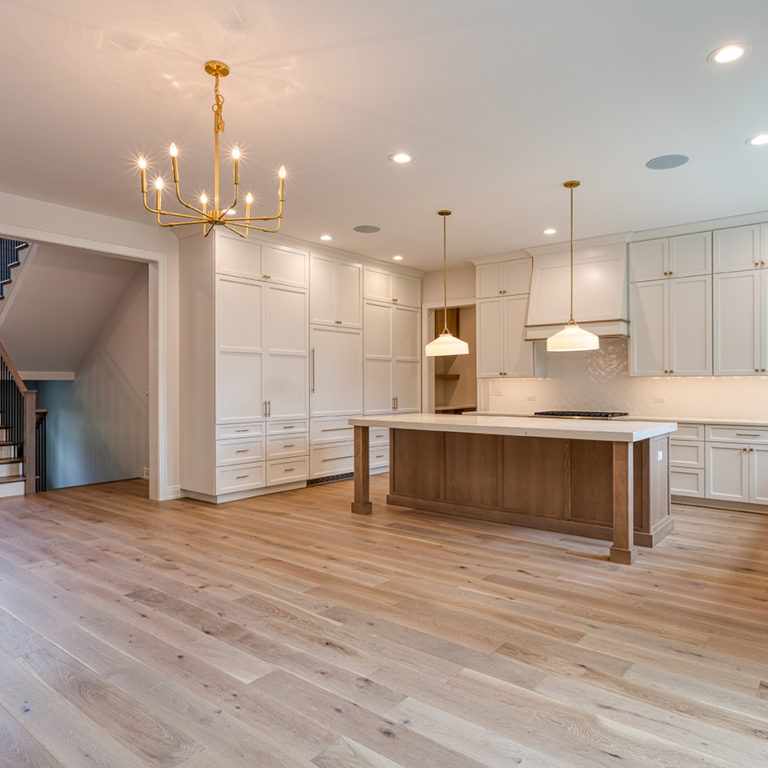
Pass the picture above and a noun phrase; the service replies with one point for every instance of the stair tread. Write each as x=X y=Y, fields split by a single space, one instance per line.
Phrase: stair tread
x=9 y=442
x=12 y=479
x=11 y=460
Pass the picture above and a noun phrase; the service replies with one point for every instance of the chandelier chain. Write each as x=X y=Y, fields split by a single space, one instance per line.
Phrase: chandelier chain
x=218 y=117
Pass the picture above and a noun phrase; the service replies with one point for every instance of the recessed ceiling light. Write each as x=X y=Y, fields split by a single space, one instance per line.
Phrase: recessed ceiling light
x=400 y=157
x=367 y=229
x=759 y=140
x=664 y=162
x=326 y=237
x=726 y=54
x=397 y=258
x=549 y=231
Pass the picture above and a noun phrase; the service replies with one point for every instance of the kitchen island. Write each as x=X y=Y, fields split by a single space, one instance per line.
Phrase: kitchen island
x=598 y=478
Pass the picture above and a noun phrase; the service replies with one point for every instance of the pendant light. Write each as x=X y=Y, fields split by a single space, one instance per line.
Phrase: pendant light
x=572 y=338
x=446 y=343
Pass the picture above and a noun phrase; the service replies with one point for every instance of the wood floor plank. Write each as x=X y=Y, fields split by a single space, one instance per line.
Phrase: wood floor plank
x=284 y=631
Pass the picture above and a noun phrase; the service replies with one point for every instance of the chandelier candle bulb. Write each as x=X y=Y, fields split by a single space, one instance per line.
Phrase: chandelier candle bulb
x=236 y=166
x=174 y=152
x=159 y=191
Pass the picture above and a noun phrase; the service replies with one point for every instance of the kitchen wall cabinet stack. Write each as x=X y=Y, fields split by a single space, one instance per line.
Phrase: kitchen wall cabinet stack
x=670 y=302
x=503 y=289
x=336 y=362
x=391 y=342
x=244 y=366
x=741 y=301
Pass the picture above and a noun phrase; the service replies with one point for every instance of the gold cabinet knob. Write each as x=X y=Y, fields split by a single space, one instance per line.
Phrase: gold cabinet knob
x=394 y=301
x=744 y=449
x=267 y=277
x=762 y=370
x=757 y=263
x=757 y=370
x=338 y=322
x=751 y=449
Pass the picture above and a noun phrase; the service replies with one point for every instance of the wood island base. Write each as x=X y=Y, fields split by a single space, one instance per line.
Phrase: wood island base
x=616 y=491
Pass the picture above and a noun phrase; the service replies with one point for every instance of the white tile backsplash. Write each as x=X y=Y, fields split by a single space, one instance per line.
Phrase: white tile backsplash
x=600 y=380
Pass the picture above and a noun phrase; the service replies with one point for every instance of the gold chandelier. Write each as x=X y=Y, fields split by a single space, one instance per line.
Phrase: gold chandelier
x=216 y=216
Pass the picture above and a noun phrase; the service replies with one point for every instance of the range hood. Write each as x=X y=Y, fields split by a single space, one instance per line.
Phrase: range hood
x=599 y=288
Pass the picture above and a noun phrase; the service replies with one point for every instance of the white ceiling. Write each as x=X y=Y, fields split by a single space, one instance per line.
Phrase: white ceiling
x=499 y=101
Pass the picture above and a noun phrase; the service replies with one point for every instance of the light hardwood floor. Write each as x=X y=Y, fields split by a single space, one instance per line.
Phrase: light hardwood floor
x=284 y=631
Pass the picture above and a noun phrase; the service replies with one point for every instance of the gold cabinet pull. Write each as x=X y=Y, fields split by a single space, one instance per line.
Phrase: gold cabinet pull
x=267 y=277
x=289 y=426
x=241 y=477
x=335 y=429
x=312 y=372
x=394 y=301
x=338 y=322
x=339 y=458
x=747 y=434
x=289 y=445
x=242 y=450
x=290 y=469
x=241 y=430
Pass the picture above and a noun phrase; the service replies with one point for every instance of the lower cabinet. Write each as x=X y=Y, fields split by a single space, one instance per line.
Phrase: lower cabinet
x=332 y=449
x=738 y=472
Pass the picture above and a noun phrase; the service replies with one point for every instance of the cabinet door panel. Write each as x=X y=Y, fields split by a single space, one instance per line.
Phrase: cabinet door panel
x=690 y=326
x=517 y=276
x=378 y=330
x=690 y=254
x=321 y=290
x=238 y=314
x=519 y=353
x=285 y=386
x=490 y=343
x=336 y=383
x=405 y=330
x=648 y=302
x=349 y=300
x=727 y=472
x=758 y=474
x=490 y=280
x=284 y=265
x=737 y=248
x=686 y=482
x=736 y=313
x=763 y=330
x=238 y=387
x=286 y=320
x=405 y=385
x=236 y=256
x=377 y=285
x=378 y=386
x=407 y=290
x=648 y=260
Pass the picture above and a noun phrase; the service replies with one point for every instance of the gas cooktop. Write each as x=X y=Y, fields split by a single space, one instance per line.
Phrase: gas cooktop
x=581 y=414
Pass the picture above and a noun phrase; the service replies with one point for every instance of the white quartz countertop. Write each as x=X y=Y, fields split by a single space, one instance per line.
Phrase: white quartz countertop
x=523 y=426
x=678 y=419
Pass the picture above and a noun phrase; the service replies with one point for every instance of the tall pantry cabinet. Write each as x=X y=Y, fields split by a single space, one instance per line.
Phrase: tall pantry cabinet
x=273 y=363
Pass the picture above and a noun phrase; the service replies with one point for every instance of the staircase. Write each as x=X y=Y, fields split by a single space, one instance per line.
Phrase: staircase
x=10 y=252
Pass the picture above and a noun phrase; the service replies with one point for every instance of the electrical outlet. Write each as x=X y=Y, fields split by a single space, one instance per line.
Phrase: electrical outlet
x=660 y=456
x=658 y=400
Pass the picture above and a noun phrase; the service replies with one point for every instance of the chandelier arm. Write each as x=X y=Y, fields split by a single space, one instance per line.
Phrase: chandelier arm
x=234 y=202
x=174 y=223
x=232 y=229
x=186 y=205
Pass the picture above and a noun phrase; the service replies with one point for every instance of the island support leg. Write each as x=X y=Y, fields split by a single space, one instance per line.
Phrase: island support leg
x=623 y=550
x=361 y=503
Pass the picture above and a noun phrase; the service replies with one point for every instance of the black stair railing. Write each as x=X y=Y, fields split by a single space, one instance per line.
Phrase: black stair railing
x=18 y=405
x=41 y=458
x=9 y=257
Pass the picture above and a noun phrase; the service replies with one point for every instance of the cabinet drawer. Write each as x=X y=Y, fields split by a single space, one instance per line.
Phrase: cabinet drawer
x=334 y=459
x=286 y=427
x=239 y=430
x=240 y=478
x=378 y=435
x=282 y=446
x=686 y=453
x=331 y=430
x=689 y=432
x=733 y=434
x=378 y=456
x=686 y=482
x=279 y=472
x=239 y=451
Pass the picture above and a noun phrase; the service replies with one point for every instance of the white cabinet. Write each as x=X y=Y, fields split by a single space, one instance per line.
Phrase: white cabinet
x=671 y=327
x=680 y=256
x=501 y=346
x=687 y=461
x=336 y=375
x=391 y=287
x=728 y=471
x=391 y=340
x=758 y=474
x=335 y=294
x=741 y=323
x=271 y=263
x=502 y=278
x=738 y=248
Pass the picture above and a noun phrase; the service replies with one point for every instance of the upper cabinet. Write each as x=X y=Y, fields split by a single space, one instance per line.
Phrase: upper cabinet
x=335 y=294
x=503 y=278
x=681 y=256
x=394 y=288
x=272 y=263
x=740 y=248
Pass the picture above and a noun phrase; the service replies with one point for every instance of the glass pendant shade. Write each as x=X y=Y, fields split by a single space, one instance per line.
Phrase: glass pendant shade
x=446 y=344
x=572 y=338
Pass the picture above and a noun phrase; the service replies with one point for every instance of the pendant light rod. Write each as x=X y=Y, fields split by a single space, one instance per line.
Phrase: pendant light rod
x=445 y=213
x=571 y=185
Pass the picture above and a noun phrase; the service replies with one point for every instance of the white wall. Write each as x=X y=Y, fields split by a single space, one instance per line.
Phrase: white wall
x=599 y=380
x=97 y=425
x=461 y=284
